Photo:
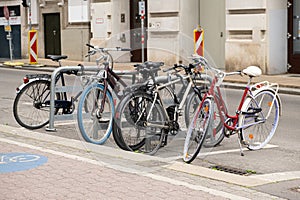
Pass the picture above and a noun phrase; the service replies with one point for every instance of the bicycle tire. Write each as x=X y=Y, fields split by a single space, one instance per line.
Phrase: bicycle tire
x=193 y=101
x=168 y=100
x=95 y=127
x=258 y=135
x=36 y=96
x=130 y=131
x=197 y=130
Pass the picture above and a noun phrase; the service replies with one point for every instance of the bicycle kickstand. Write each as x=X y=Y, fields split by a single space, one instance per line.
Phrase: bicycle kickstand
x=240 y=144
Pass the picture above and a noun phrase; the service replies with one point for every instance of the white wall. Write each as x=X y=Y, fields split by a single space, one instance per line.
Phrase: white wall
x=256 y=35
x=171 y=24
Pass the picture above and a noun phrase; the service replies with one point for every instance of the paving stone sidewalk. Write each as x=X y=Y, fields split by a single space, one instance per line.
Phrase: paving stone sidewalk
x=98 y=172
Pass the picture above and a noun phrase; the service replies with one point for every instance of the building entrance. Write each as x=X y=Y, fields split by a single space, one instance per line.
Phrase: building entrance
x=135 y=32
x=15 y=26
x=52 y=34
x=294 y=36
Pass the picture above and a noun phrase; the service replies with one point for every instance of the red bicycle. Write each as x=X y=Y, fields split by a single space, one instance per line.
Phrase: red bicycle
x=255 y=120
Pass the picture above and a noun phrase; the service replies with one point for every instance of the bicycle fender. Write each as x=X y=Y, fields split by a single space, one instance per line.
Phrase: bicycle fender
x=30 y=81
x=255 y=92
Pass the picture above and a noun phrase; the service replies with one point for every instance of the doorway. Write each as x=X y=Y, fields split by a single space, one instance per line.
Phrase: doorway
x=52 y=34
x=136 y=32
x=15 y=34
x=212 y=20
x=294 y=36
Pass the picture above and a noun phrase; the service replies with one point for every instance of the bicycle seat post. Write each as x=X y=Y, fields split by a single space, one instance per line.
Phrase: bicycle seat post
x=59 y=63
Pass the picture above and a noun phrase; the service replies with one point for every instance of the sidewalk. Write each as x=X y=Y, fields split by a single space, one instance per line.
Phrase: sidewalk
x=79 y=170
x=288 y=83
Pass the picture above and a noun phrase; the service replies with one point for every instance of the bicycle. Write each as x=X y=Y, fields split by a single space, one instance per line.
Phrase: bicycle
x=144 y=120
x=96 y=106
x=32 y=102
x=255 y=120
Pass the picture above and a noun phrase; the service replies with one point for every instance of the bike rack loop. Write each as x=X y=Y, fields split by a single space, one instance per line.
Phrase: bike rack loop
x=132 y=73
x=53 y=88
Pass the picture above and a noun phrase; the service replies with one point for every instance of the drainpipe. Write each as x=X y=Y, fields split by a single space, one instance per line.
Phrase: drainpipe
x=199 y=12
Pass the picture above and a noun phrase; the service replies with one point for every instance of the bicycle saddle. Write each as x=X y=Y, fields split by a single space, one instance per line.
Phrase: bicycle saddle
x=252 y=71
x=57 y=57
x=149 y=64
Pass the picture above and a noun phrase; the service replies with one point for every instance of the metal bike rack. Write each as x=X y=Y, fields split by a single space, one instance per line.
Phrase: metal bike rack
x=54 y=89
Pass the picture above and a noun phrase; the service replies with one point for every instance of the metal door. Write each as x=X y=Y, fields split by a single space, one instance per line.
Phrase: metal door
x=52 y=34
x=294 y=36
x=212 y=20
x=136 y=33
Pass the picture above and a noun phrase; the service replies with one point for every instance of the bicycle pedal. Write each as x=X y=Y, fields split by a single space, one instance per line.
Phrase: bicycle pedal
x=62 y=104
x=103 y=121
x=228 y=133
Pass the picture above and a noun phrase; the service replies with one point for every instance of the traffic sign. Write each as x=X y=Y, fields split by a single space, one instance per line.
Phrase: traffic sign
x=199 y=41
x=33 y=46
x=142 y=8
x=6 y=12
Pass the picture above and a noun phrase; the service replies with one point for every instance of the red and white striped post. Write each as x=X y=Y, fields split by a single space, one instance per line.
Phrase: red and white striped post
x=199 y=41
x=33 y=55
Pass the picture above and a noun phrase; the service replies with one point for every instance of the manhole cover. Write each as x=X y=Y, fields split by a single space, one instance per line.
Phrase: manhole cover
x=233 y=170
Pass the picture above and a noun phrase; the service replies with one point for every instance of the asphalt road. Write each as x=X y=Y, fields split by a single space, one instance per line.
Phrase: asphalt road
x=282 y=155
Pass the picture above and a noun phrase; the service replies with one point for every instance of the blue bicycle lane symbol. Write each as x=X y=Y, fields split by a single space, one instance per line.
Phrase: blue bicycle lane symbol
x=13 y=162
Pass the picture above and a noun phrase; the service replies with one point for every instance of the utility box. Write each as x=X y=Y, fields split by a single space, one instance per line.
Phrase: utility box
x=101 y=20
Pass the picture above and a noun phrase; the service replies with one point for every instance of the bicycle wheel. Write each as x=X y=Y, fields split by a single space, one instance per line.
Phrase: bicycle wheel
x=216 y=136
x=131 y=128
x=31 y=106
x=259 y=119
x=95 y=126
x=197 y=131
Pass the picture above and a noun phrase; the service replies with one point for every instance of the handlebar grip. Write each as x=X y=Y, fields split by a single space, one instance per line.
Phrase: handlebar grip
x=126 y=49
x=89 y=45
x=169 y=69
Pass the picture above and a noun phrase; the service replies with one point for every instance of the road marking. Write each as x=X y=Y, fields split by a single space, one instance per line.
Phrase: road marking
x=14 y=162
x=268 y=146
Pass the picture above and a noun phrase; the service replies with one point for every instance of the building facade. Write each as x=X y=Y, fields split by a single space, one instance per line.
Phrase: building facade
x=237 y=33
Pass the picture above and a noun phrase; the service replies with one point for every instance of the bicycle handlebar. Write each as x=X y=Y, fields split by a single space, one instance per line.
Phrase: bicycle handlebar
x=201 y=60
x=108 y=49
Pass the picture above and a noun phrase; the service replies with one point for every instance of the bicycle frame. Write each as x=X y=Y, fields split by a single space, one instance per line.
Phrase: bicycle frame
x=247 y=93
x=157 y=96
